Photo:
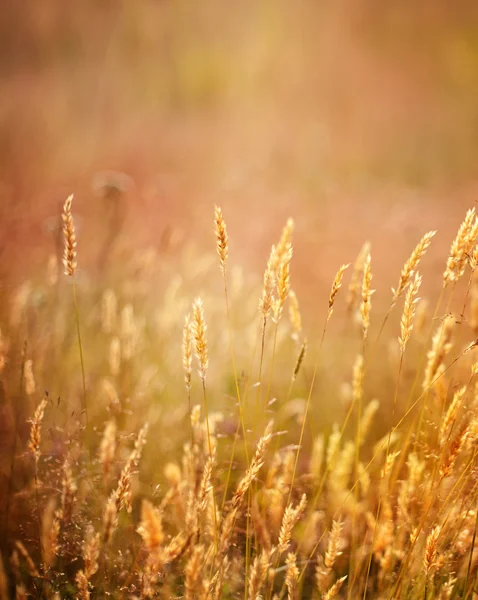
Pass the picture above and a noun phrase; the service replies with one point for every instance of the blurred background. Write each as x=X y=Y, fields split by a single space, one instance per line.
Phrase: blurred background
x=357 y=118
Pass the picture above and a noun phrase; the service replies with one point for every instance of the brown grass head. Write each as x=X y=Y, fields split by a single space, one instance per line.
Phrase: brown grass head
x=221 y=236
x=69 y=237
x=199 y=332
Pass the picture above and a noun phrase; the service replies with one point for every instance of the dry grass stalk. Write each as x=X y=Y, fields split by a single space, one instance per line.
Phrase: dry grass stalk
x=199 y=332
x=107 y=447
x=187 y=351
x=453 y=450
x=451 y=414
x=300 y=360
x=115 y=356
x=431 y=550
x=335 y=589
x=68 y=493
x=290 y=519
x=32 y=570
x=410 y=266
x=50 y=534
x=221 y=235
x=285 y=242
x=366 y=305
x=258 y=574
x=441 y=346
x=69 y=254
x=355 y=281
x=367 y=418
x=461 y=248
x=151 y=527
x=29 y=378
x=193 y=571
x=292 y=577
x=109 y=308
x=294 y=315
x=91 y=552
x=336 y=285
x=283 y=284
x=406 y=322
x=326 y=564
x=267 y=298
x=35 y=431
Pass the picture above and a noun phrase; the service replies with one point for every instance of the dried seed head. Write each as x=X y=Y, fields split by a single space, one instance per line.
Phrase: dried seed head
x=292 y=577
x=283 y=284
x=431 y=553
x=411 y=264
x=266 y=301
x=221 y=235
x=355 y=280
x=336 y=285
x=151 y=526
x=294 y=315
x=108 y=447
x=366 y=304
x=30 y=386
x=199 y=331
x=69 y=254
x=109 y=308
x=441 y=346
x=35 y=432
x=406 y=323
x=461 y=248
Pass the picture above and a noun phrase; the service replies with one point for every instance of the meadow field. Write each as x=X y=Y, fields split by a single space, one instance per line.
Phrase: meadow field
x=238 y=300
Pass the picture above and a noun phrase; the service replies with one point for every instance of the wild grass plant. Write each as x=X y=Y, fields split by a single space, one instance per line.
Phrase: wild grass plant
x=171 y=445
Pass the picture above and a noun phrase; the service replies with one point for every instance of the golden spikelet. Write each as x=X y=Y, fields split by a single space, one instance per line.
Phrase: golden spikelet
x=258 y=574
x=451 y=414
x=335 y=589
x=151 y=527
x=107 y=447
x=50 y=533
x=283 y=284
x=109 y=308
x=406 y=322
x=441 y=346
x=69 y=237
x=300 y=360
x=29 y=378
x=267 y=298
x=221 y=235
x=35 y=431
x=461 y=248
x=336 y=285
x=91 y=552
x=292 y=577
x=411 y=265
x=193 y=571
x=355 y=280
x=285 y=242
x=366 y=305
x=294 y=315
x=32 y=570
x=68 y=492
x=431 y=550
x=334 y=545
x=199 y=332
x=289 y=520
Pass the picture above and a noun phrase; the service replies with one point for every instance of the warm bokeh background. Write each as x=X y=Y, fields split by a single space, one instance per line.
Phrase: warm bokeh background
x=359 y=119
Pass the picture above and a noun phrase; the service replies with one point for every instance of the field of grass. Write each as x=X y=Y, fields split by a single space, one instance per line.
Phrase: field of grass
x=162 y=441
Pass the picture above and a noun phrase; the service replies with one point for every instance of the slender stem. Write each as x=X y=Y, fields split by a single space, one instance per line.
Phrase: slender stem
x=80 y=346
x=211 y=457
